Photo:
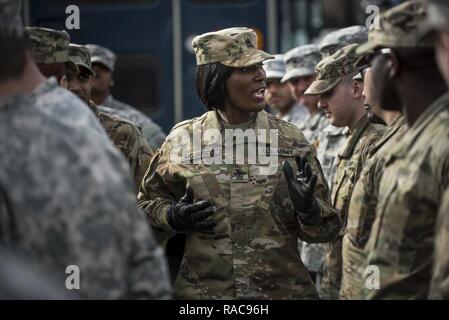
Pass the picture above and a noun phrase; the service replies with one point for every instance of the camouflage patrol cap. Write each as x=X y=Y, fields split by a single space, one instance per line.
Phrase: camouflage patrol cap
x=80 y=55
x=341 y=38
x=331 y=70
x=233 y=47
x=275 y=68
x=399 y=27
x=49 y=46
x=301 y=61
x=102 y=55
x=11 y=24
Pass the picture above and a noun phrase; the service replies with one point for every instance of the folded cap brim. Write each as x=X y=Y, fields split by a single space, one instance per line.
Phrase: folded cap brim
x=248 y=58
x=89 y=69
x=321 y=86
x=71 y=65
x=299 y=72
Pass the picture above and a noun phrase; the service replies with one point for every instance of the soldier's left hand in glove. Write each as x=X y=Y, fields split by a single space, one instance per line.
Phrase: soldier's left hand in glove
x=301 y=187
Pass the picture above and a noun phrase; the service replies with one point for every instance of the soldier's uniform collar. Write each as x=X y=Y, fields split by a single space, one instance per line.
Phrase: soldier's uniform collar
x=354 y=138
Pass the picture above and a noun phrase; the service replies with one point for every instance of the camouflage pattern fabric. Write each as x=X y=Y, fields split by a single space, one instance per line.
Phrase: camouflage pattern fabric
x=362 y=211
x=332 y=140
x=66 y=199
x=301 y=61
x=439 y=286
x=252 y=253
x=153 y=133
x=351 y=160
x=297 y=115
x=48 y=46
x=275 y=68
x=338 y=39
x=402 y=26
x=80 y=56
x=129 y=140
x=402 y=239
x=232 y=47
x=331 y=70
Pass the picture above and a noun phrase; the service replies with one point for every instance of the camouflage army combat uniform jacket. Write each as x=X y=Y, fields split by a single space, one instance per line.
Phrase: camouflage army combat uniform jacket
x=152 y=132
x=439 y=288
x=66 y=199
x=362 y=210
x=350 y=162
x=402 y=237
x=253 y=251
x=297 y=115
x=129 y=140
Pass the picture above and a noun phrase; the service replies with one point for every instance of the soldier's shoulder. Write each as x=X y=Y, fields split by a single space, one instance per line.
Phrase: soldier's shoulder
x=185 y=125
x=115 y=122
x=286 y=129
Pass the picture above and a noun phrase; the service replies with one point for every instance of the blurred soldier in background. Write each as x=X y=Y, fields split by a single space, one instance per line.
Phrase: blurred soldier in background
x=301 y=62
x=103 y=63
x=338 y=39
x=65 y=193
x=123 y=133
x=278 y=96
x=342 y=98
x=415 y=172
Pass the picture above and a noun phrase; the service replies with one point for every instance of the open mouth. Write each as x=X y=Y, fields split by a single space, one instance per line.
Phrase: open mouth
x=259 y=94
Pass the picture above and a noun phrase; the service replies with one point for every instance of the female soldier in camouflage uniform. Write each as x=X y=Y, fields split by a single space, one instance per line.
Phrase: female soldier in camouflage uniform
x=240 y=222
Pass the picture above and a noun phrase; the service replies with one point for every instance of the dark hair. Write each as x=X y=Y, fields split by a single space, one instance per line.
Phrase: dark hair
x=12 y=56
x=210 y=84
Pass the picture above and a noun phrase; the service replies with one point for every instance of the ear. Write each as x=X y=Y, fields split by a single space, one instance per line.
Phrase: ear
x=393 y=65
x=357 y=89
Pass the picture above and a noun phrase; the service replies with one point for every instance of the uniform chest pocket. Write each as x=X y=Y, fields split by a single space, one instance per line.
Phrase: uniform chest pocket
x=344 y=185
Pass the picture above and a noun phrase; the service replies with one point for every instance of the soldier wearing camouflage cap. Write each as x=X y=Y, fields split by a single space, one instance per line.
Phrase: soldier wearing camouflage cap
x=124 y=134
x=342 y=37
x=279 y=96
x=229 y=211
x=416 y=169
x=50 y=51
x=103 y=62
x=66 y=197
x=342 y=99
x=438 y=26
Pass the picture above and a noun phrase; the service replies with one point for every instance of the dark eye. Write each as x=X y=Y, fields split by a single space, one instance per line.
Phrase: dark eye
x=245 y=70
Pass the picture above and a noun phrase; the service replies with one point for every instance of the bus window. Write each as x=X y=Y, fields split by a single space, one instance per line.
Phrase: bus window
x=136 y=79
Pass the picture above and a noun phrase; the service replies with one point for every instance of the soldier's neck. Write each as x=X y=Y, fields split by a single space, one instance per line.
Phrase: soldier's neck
x=390 y=116
x=26 y=83
x=285 y=111
x=99 y=97
x=232 y=115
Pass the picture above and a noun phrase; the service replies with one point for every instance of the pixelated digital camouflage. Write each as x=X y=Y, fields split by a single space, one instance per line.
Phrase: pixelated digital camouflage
x=129 y=140
x=401 y=26
x=297 y=115
x=341 y=38
x=275 y=68
x=102 y=55
x=351 y=160
x=440 y=280
x=331 y=70
x=301 y=61
x=66 y=199
x=416 y=174
x=80 y=56
x=153 y=133
x=362 y=211
x=232 y=47
x=252 y=253
x=11 y=25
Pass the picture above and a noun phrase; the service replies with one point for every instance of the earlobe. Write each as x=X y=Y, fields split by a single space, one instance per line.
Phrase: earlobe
x=357 y=89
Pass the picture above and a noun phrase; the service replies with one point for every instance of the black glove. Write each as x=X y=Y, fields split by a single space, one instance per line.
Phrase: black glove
x=188 y=216
x=301 y=188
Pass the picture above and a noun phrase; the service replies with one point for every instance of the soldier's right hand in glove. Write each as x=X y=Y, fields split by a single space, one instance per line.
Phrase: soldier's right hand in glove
x=187 y=216
x=301 y=187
